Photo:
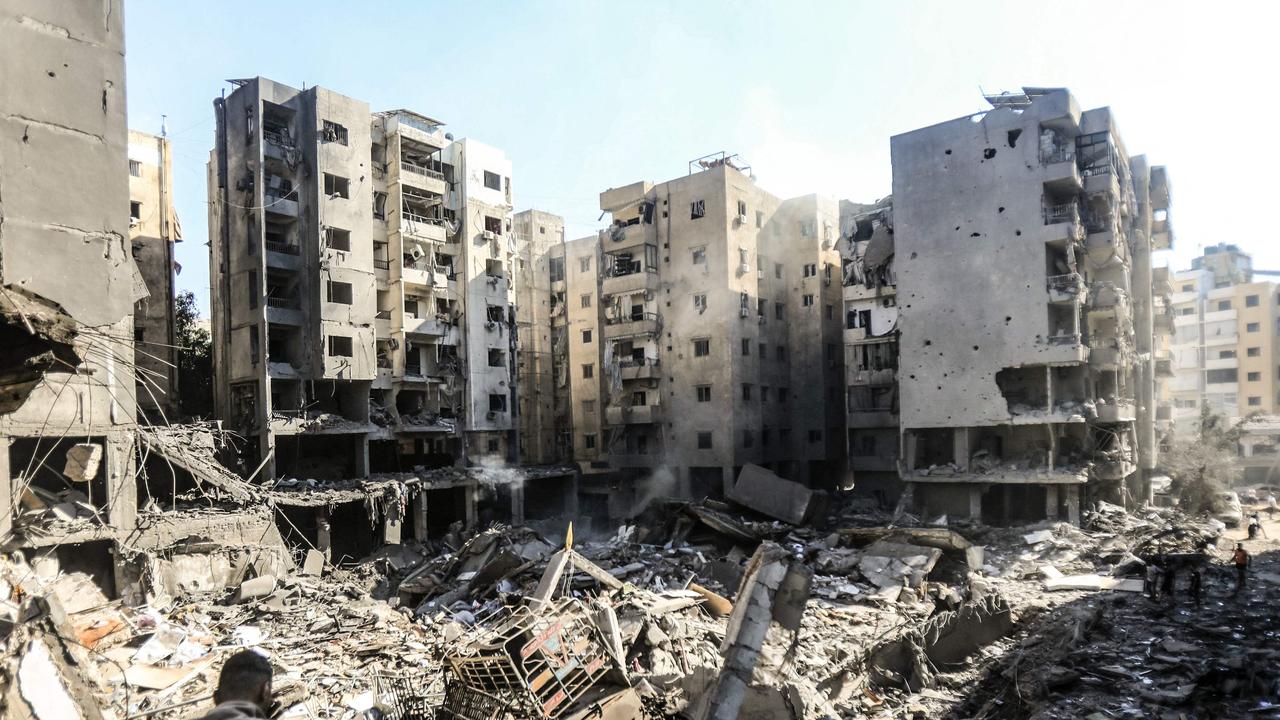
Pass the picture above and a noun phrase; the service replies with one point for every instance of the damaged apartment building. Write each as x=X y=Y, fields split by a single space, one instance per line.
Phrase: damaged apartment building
x=703 y=333
x=871 y=347
x=1023 y=243
x=363 y=303
x=68 y=280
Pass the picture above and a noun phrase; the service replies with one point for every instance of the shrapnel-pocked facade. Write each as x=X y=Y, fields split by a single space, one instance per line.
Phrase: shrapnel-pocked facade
x=1025 y=293
x=362 y=298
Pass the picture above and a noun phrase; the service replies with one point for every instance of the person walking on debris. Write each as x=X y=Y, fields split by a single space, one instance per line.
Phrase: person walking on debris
x=1255 y=527
x=244 y=688
x=1193 y=589
x=1170 y=580
x=1151 y=583
x=1271 y=506
x=1241 y=559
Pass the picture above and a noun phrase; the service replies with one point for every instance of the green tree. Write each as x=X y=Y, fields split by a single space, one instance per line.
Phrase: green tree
x=1205 y=465
x=195 y=358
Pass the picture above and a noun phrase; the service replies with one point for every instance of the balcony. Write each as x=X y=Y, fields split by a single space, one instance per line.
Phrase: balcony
x=1117 y=411
x=632 y=325
x=282 y=203
x=631 y=282
x=1106 y=358
x=1068 y=288
x=283 y=255
x=421 y=273
x=1164 y=364
x=1103 y=182
x=641 y=369
x=1109 y=302
x=1059 y=171
x=434 y=326
x=1064 y=348
x=623 y=237
x=1068 y=212
x=634 y=415
x=1163 y=320
x=382 y=324
x=1160 y=281
x=426 y=177
x=422 y=226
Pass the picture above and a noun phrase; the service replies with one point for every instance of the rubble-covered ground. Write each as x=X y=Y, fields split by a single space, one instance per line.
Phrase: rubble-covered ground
x=898 y=620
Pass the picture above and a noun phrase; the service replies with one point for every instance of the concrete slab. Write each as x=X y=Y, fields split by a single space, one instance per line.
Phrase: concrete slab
x=768 y=494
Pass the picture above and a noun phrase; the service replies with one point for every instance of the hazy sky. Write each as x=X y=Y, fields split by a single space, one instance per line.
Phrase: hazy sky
x=585 y=96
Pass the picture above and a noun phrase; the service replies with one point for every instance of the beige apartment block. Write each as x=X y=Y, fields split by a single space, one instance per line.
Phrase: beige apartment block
x=540 y=242
x=1225 y=349
x=362 y=266
x=1026 y=298
x=153 y=230
x=705 y=333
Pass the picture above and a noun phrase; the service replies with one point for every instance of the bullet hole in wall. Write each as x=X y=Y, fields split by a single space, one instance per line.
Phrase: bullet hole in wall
x=913 y=256
x=988 y=153
x=1000 y=209
x=1013 y=137
x=948 y=151
x=1018 y=233
x=975 y=234
x=957 y=228
x=927 y=343
x=975 y=348
x=1007 y=318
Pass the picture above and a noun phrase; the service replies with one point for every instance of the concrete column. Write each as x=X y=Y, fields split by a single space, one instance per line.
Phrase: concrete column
x=1073 y=504
x=7 y=500
x=470 y=520
x=1051 y=502
x=122 y=485
x=517 y=503
x=726 y=480
x=390 y=531
x=418 y=506
x=324 y=538
x=960 y=448
x=360 y=461
x=975 y=503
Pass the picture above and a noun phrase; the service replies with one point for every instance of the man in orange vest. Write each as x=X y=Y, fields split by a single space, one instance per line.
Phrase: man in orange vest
x=1241 y=559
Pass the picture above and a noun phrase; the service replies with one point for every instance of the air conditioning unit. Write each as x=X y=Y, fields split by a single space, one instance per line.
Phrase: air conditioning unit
x=488 y=235
x=826 y=281
x=745 y=312
x=491 y=325
x=744 y=268
x=760 y=274
x=491 y=415
x=742 y=219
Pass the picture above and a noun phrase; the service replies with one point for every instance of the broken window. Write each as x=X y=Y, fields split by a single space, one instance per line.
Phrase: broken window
x=588 y=371
x=697 y=209
x=494 y=313
x=379 y=205
x=338 y=292
x=811 y=269
x=493 y=225
x=815 y=436
x=337 y=239
x=135 y=211
x=701 y=347
x=411 y=306
x=746 y=347
x=700 y=303
x=492 y=180
x=586 y=336
x=806 y=300
x=1253 y=352
x=340 y=346
x=762 y=308
x=742 y=211
x=699 y=255
x=586 y=300
x=497 y=402
x=704 y=441
x=746 y=391
x=639 y=398
x=589 y=441
x=497 y=357
x=333 y=132
x=336 y=186
x=556 y=268
x=584 y=265
x=703 y=393
x=777 y=311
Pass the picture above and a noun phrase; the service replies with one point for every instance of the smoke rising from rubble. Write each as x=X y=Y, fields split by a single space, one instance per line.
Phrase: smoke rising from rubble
x=661 y=482
x=493 y=472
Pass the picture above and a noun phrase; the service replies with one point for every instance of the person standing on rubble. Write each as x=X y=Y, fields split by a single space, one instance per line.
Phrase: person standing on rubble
x=244 y=688
x=1255 y=527
x=1170 y=581
x=1271 y=506
x=1241 y=560
x=1193 y=589
x=1151 y=582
